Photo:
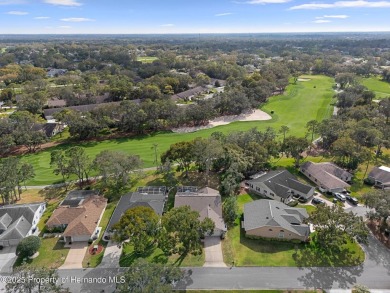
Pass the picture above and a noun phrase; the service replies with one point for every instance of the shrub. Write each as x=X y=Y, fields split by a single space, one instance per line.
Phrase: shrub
x=28 y=246
x=293 y=203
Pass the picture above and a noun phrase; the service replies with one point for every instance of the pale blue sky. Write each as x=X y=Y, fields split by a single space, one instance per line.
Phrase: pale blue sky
x=187 y=16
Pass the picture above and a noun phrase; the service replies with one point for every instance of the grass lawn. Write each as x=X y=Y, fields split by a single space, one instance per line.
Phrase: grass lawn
x=52 y=254
x=95 y=260
x=249 y=252
x=147 y=59
x=157 y=256
x=302 y=102
x=379 y=87
x=250 y=291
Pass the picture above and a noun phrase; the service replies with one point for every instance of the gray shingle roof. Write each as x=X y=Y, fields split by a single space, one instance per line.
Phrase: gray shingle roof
x=206 y=201
x=327 y=174
x=380 y=175
x=263 y=212
x=189 y=93
x=82 y=108
x=156 y=201
x=17 y=220
x=280 y=182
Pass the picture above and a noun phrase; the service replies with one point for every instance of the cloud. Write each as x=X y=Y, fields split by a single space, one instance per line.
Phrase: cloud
x=167 y=24
x=17 y=12
x=321 y=21
x=63 y=2
x=64 y=26
x=223 y=14
x=77 y=19
x=42 y=17
x=336 y=16
x=343 y=4
x=267 y=1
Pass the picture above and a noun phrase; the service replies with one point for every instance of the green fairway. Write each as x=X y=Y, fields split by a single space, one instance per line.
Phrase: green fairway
x=147 y=59
x=301 y=103
x=379 y=87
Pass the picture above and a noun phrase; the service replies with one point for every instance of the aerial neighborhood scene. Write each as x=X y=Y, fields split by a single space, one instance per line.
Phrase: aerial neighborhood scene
x=194 y=146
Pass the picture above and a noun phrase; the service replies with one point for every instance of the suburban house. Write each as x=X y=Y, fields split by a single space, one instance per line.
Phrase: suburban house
x=48 y=113
x=78 y=216
x=53 y=72
x=380 y=177
x=272 y=219
x=49 y=129
x=19 y=221
x=153 y=197
x=279 y=185
x=206 y=201
x=327 y=176
x=188 y=95
x=56 y=103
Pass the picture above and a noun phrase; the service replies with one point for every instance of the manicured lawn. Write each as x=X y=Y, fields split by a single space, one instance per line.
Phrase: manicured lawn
x=379 y=87
x=95 y=260
x=302 y=102
x=305 y=101
x=249 y=252
x=52 y=254
x=157 y=256
x=147 y=59
x=251 y=291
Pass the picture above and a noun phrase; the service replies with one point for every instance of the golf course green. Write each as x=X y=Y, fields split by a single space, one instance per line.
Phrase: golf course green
x=379 y=87
x=309 y=99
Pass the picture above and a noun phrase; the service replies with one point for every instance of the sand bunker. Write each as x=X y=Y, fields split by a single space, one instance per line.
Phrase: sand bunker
x=304 y=79
x=256 y=115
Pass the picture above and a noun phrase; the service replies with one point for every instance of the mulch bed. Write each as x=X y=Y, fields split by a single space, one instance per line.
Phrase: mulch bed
x=374 y=227
x=99 y=250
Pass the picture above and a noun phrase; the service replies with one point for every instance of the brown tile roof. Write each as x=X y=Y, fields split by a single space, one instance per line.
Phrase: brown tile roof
x=80 y=220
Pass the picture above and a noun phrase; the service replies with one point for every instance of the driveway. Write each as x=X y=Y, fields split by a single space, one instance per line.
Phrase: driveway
x=75 y=257
x=213 y=252
x=111 y=256
x=7 y=259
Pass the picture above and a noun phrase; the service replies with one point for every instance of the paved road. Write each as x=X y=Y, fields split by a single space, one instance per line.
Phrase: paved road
x=374 y=273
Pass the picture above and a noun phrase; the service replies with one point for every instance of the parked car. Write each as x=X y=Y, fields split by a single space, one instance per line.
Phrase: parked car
x=340 y=197
x=346 y=192
x=317 y=201
x=302 y=199
x=352 y=200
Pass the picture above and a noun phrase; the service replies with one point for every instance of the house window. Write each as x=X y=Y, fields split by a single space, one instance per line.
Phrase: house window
x=309 y=175
x=265 y=191
x=315 y=180
x=270 y=230
x=281 y=234
x=272 y=194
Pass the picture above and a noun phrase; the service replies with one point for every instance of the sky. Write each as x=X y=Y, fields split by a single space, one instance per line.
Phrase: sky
x=188 y=16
